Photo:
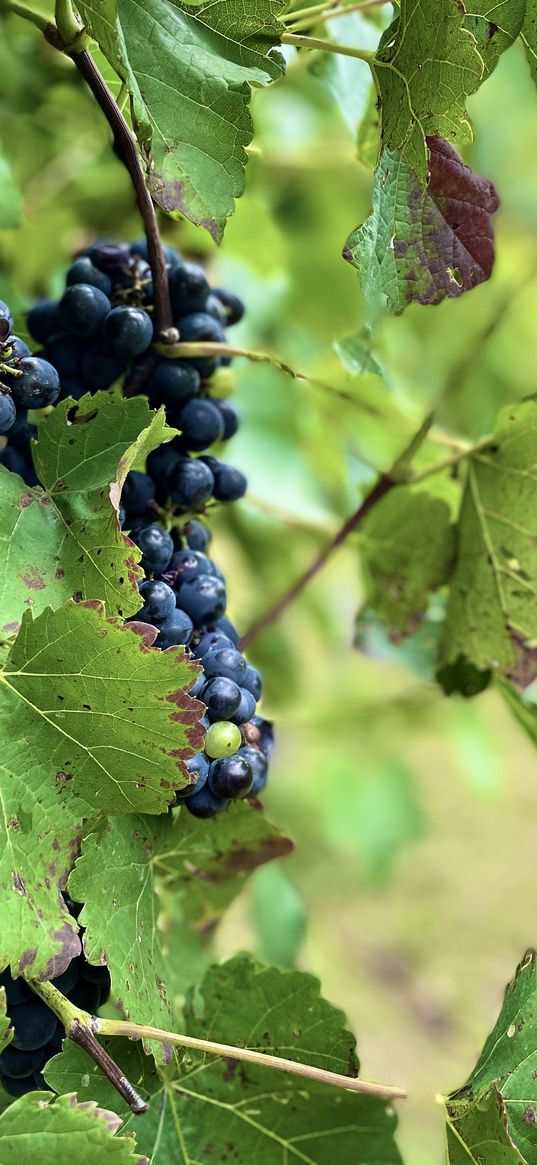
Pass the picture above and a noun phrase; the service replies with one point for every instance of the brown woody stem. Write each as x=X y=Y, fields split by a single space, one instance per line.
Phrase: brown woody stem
x=384 y=484
x=127 y=151
x=79 y=1027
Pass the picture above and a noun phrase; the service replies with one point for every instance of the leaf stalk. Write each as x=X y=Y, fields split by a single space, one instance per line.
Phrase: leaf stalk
x=113 y=1027
x=328 y=46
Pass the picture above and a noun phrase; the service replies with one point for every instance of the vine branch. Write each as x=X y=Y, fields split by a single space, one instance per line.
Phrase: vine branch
x=127 y=150
x=114 y=1027
x=383 y=486
x=399 y=475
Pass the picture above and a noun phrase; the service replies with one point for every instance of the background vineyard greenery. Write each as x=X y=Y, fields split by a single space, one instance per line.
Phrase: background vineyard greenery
x=414 y=817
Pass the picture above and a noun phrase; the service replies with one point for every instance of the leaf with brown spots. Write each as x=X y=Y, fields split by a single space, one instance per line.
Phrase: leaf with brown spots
x=422 y=244
x=497 y=1107
x=209 y=866
x=93 y=721
x=39 y=1128
x=71 y=525
x=120 y=869
x=491 y=619
x=104 y=718
x=224 y=1111
x=189 y=70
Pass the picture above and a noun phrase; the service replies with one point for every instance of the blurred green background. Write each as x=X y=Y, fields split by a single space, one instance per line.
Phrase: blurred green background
x=411 y=892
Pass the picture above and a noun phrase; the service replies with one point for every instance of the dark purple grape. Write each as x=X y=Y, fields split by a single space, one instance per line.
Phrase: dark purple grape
x=83 y=309
x=231 y=777
x=128 y=331
x=156 y=546
x=176 y=631
x=159 y=602
x=44 y=320
x=83 y=271
x=222 y=697
x=8 y=412
x=232 y=304
x=190 y=483
x=203 y=598
x=205 y=804
x=38 y=385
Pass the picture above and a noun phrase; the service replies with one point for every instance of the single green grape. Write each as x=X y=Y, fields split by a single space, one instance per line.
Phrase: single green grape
x=222 y=383
x=222 y=739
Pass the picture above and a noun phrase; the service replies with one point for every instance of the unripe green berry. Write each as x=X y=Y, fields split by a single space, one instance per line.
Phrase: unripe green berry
x=222 y=383
x=222 y=739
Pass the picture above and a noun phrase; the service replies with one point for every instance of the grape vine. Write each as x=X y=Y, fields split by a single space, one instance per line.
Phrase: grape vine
x=136 y=748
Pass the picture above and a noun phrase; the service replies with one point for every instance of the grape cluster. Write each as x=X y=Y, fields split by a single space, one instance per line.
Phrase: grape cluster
x=100 y=332
x=38 y=1034
x=26 y=382
x=184 y=597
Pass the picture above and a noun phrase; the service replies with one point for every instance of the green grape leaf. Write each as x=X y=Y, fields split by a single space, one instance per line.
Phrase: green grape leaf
x=93 y=722
x=82 y=455
x=529 y=35
x=478 y=1133
x=6 y=1031
x=99 y=705
x=425 y=68
x=208 y=867
x=121 y=872
x=398 y=578
x=219 y=1106
x=189 y=68
x=495 y=24
x=368 y=135
x=40 y=1128
x=491 y=616
x=423 y=244
x=507 y=1066
x=115 y=878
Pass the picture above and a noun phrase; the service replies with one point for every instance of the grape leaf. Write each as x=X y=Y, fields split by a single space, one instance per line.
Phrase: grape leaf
x=220 y=1106
x=495 y=24
x=425 y=67
x=115 y=878
x=208 y=867
x=189 y=68
x=81 y=550
x=421 y=245
x=492 y=613
x=40 y=1128
x=529 y=36
x=508 y=1066
x=398 y=579
x=109 y=735
x=478 y=1133
x=368 y=136
x=99 y=705
x=6 y=1031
